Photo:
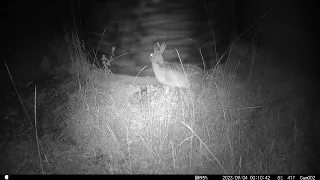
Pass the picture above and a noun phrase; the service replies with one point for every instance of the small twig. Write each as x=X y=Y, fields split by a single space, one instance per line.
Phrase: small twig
x=35 y=124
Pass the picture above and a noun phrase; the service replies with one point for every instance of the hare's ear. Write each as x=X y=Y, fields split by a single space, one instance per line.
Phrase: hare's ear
x=156 y=47
x=163 y=47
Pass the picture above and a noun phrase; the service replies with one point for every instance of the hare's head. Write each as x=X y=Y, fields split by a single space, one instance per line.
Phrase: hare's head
x=156 y=56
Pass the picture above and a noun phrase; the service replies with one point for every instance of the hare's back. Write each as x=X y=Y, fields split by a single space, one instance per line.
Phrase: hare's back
x=188 y=68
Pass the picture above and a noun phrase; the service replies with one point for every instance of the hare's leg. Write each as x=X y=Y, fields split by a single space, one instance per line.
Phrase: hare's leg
x=167 y=89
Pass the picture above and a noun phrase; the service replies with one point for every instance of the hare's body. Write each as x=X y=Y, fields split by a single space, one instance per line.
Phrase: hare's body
x=174 y=74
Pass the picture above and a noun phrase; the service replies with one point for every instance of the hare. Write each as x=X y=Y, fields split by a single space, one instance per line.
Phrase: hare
x=174 y=74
